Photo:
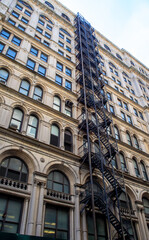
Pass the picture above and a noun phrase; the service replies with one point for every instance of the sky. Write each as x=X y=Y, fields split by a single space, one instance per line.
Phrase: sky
x=123 y=22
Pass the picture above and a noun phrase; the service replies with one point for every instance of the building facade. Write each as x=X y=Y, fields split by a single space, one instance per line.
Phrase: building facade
x=40 y=143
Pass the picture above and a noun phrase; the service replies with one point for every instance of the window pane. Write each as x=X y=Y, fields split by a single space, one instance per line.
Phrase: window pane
x=50 y=218
x=21 y=28
x=41 y=70
x=10 y=227
x=13 y=211
x=58 y=80
x=11 y=53
x=33 y=121
x=55 y=130
x=3 y=75
x=2 y=207
x=30 y=64
x=58 y=187
x=62 y=219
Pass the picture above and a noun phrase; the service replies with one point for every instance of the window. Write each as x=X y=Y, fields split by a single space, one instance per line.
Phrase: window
x=119 y=82
x=128 y=138
x=102 y=63
x=123 y=116
x=15 y=14
x=16 y=41
x=49 y=27
x=100 y=225
x=68 y=108
x=27 y=13
x=32 y=126
x=116 y=73
x=132 y=91
x=1 y=46
x=119 y=56
x=57 y=103
x=61 y=35
x=129 y=120
x=68 y=85
x=24 y=20
x=112 y=109
x=40 y=30
x=5 y=34
x=11 y=53
x=68 y=40
x=61 y=44
x=25 y=4
x=68 y=71
x=127 y=88
x=136 y=167
x=41 y=22
x=37 y=38
x=56 y=222
x=131 y=98
x=30 y=64
x=46 y=19
x=46 y=43
x=38 y=92
x=57 y=181
x=144 y=171
x=11 y=22
x=55 y=135
x=125 y=201
x=125 y=79
x=44 y=57
x=49 y=5
x=68 y=49
x=104 y=73
x=60 y=52
x=41 y=70
x=122 y=160
x=11 y=209
x=117 y=136
x=19 y=7
x=111 y=69
x=24 y=87
x=68 y=141
x=119 y=102
x=16 y=119
x=47 y=35
x=141 y=115
x=116 y=88
x=58 y=80
x=4 y=74
x=106 y=81
x=21 y=27
x=59 y=66
x=114 y=162
x=106 y=47
x=136 y=142
x=14 y=168
x=136 y=100
x=146 y=205
x=135 y=112
x=64 y=31
x=113 y=78
x=125 y=106
x=66 y=17
x=129 y=83
x=109 y=96
x=132 y=63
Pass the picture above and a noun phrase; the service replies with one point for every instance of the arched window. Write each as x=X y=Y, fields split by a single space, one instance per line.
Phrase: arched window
x=4 y=74
x=96 y=187
x=57 y=103
x=119 y=56
x=64 y=31
x=38 y=92
x=55 y=135
x=136 y=142
x=128 y=138
x=46 y=18
x=14 y=168
x=107 y=47
x=66 y=17
x=136 y=167
x=125 y=74
x=124 y=201
x=114 y=162
x=57 y=181
x=112 y=65
x=122 y=160
x=32 y=127
x=25 y=4
x=68 y=141
x=24 y=87
x=146 y=205
x=49 y=4
x=68 y=108
x=117 y=136
x=16 y=119
x=144 y=171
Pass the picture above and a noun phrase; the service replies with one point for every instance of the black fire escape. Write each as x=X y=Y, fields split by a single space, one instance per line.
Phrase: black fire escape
x=96 y=120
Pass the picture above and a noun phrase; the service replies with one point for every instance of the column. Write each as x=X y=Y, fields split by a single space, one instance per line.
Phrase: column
x=145 y=224
x=40 y=210
x=75 y=144
x=84 y=226
x=77 y=216
x=141 y=224
x=62 y=139
x=24 y=217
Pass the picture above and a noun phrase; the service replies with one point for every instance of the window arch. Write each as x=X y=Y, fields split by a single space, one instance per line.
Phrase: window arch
x=32 y=127
x=49 y=4
x=116 y=131
x=119 y=56
x=144 y=170
x=14 y=168
x=128 y=138
x=25 y=4
x=107 y=47
x=38 y=93
x=123 y=201
x=125 y=74
x=112 y=65
x=57 y=181
x=135 y=164
x=4 y=74
x=55 y=135
x=114 y=162
x=16 y=119
x=122 y=161
x=64 y=31
x=57 y=103
x=146 y=205
x=68 y=108
x=66 y=17
x=136 y=142
x=46 y=18
x=68 y=140
x=24 y=87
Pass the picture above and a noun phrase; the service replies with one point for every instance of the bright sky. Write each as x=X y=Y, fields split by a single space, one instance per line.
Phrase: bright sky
x=124 y=22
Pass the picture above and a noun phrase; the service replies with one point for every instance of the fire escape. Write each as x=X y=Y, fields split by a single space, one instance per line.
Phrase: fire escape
x=96 y=120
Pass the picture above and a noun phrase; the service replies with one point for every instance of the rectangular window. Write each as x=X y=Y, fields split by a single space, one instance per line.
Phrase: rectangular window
x=129 y=119
x=123 y=116
x=68 y=49
x=129 y=83
x=39 y=30
x=41 y=70
x=60 y=52
x=116 y=88
x=19 y=7
x=113 y=78
x=127 y=88
x=58 y=80
x=49 y=27
x=11 y=53
x=44 y=57
x=102 y=63
x=1 y=46
x=46 y=43
x=68 y=85
x=116 y=73
x=47 y=35
x=104 y=73
x=121 y=91
x=61 y=44
x=59 y=66
x=15 y=14
x=126 y=106
x=132 y=91
x=141 y=115
x=125 y=79
x=120 y=103
x=61 y=35
x=111 y=69
x=68 y=40
x=16 y=41
x=131 y=98
x=5 y=34
x=30 y=64
x=119 y=82
x=34 y=51
x=135 y=112
x=109 y=96
x=68 y=71
x=21 y=27
x=11 y=22
x=24 y=20
x=68 y=57
x=111 y=109
x=41 y=22
x=27 y=13
x=106 y=81
x=37 y=38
